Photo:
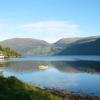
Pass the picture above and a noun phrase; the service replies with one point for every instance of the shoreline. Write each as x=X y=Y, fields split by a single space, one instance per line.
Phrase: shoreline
x=68 y=96
x=14 y=89
x=72 y=96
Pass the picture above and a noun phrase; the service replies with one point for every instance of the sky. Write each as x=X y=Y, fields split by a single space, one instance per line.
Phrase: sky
x=49 y=20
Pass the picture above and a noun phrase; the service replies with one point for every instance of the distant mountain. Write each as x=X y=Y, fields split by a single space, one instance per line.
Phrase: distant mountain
x=24 y=42
x=26 y=45
x=65 y=46
x=83 y=46
x=65 y=42
x=61 y=44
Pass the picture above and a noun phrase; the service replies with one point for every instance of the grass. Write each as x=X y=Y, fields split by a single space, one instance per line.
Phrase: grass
x=13 y=89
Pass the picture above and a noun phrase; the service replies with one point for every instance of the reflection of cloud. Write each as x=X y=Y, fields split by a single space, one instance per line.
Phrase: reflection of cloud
x=72 y=80
x=64 y=80
x=56 y=80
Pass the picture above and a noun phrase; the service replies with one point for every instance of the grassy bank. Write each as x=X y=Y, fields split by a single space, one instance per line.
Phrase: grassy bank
x=13 y=89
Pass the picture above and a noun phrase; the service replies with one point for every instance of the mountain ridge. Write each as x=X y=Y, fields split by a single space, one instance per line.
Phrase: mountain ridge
x=64 y=46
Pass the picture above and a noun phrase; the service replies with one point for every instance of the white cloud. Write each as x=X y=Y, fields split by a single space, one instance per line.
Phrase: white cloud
x=50 y=31
x=51 y=27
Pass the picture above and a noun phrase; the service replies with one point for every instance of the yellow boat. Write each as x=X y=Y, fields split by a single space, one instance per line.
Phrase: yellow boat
x=42 y=67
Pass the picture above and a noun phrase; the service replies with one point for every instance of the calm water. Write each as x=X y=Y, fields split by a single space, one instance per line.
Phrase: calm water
x=75 y=74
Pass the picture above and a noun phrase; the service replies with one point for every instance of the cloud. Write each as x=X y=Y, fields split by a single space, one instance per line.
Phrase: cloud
x=50 y=31
x=51 y=27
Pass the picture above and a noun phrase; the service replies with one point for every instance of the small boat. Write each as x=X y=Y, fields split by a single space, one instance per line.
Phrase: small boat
x=43 y=67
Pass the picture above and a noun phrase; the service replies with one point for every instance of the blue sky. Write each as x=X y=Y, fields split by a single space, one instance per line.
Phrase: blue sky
x=49 y=19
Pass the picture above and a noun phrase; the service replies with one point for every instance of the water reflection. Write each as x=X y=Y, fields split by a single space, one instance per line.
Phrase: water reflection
x=78 y=66
x=70 y=76
x=64 y=66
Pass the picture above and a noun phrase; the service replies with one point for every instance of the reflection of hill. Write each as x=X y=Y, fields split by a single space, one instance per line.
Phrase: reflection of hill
x=23 y=66
x=87 y=66
x=6 y=64
x=78 y=66
x=64 y=66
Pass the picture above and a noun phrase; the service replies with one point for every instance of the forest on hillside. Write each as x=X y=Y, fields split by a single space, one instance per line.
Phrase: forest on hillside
x=7 y=52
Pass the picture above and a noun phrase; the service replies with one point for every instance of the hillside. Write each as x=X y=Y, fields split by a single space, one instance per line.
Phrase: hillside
x=61 y=44
x=64 y=46
x=13 y=89
x=24 y=42
x=7 y=52
x=65 y=42
x=27 y=45
x=84 y=46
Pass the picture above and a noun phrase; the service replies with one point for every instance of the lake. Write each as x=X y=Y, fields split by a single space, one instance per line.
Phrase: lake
x=72 y=74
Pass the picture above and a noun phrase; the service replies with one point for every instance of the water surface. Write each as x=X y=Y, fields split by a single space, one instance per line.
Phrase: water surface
x=75 y=74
